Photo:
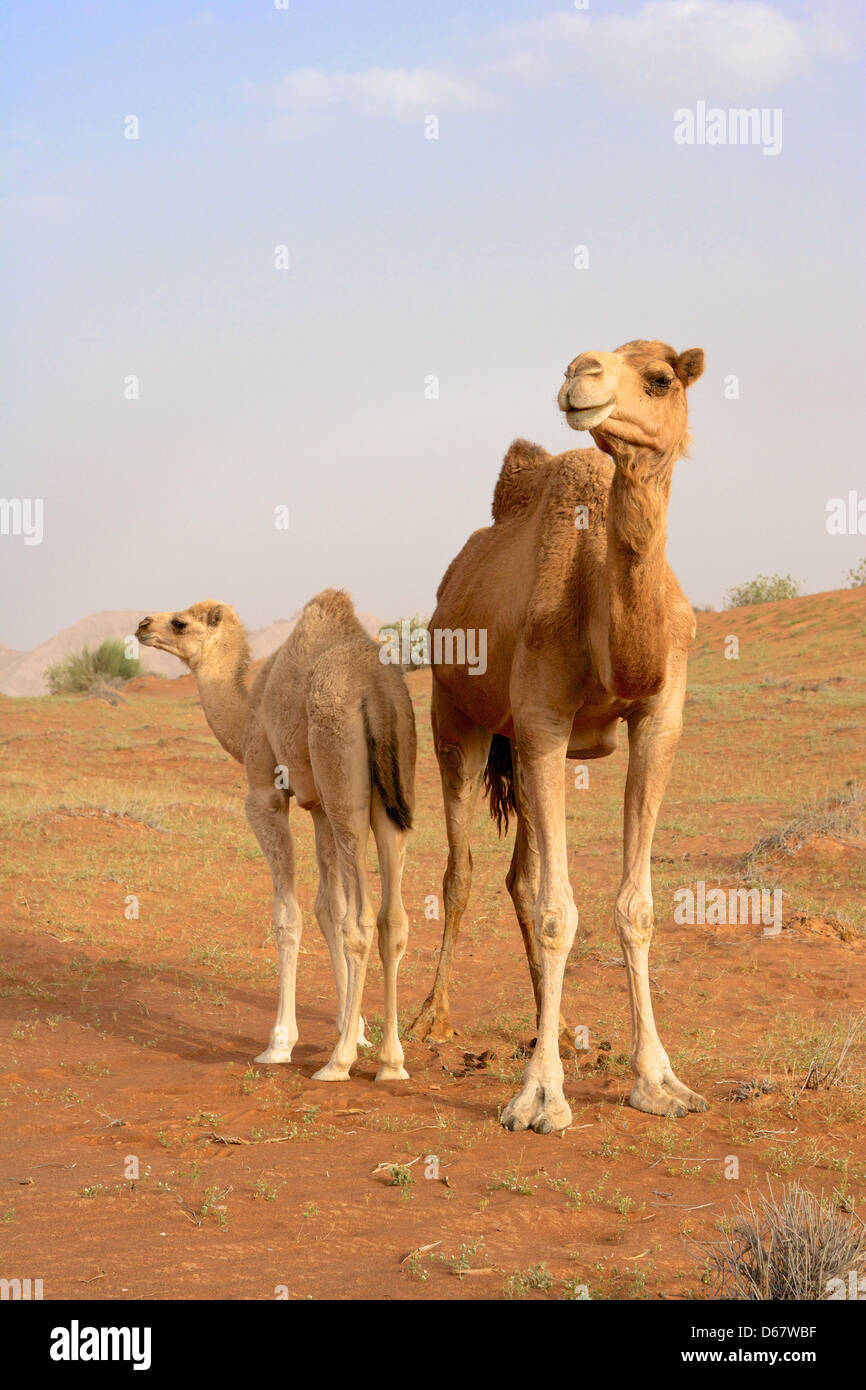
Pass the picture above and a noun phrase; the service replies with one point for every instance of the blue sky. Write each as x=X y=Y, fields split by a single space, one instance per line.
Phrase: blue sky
x=409 y=258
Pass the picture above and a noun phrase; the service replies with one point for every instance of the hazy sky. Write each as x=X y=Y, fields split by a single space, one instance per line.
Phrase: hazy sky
x=409 y=258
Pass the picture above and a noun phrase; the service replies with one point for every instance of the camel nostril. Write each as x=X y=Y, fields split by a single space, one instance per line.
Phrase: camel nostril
x=145 y=622
x=588 y=366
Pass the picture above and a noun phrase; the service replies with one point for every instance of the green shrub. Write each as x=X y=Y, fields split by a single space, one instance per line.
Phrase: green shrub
x=766 y=588
x=857 y=576
x=77 y=673
x=393 y=633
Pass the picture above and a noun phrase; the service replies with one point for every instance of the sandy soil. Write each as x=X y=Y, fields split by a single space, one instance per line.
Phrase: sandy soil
x=143 y=1156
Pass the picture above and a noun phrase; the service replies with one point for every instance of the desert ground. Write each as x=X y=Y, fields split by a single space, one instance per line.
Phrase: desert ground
x=143 y=1154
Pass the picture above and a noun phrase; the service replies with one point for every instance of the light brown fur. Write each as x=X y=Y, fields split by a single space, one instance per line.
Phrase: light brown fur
x=586 y=626
x=326 y=722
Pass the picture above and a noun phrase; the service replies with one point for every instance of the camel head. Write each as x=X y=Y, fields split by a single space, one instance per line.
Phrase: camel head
x=206 y=634
x=635 y=396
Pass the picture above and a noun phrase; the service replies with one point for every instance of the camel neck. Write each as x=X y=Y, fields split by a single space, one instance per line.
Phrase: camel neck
x=226 y=702
x=637 y=572
x=638 y=504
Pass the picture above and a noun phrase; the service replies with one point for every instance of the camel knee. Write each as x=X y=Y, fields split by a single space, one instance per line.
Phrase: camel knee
x=556 y=925
x=393 y=929
x=457 y=883
x=522 y=892
x=287 y=931
x=633 y=915
x=357 y=935
x=286 y=916
x=458 y=767
x=327 y=906
x=268 y=801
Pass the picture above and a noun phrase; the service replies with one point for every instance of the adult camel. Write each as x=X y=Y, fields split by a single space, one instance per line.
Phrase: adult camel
x=586 y=626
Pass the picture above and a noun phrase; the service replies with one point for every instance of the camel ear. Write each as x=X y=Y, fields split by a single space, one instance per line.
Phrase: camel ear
x=690 y=365
x=214 y=616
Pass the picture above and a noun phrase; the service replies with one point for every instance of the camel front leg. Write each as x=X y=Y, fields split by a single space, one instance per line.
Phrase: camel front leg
x=267 y=813
x=653 y=739
x=541 y=1104
x=522 y=883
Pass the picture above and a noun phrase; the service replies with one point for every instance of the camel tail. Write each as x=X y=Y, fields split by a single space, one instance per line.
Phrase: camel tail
x=499 y=781
x=389 y=728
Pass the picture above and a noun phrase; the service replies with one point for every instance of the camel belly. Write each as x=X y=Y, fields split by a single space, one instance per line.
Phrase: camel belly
x=593 y=740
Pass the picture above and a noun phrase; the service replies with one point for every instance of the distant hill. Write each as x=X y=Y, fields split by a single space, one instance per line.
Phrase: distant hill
x=23 y=673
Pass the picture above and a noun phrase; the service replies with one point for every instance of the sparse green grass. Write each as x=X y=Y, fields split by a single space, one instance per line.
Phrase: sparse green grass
x=522 y=1282
x=511 y=1181
x=462 y=1261
x=267 y=1192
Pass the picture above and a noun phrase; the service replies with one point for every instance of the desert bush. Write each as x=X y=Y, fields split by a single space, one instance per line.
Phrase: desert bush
x=416 y=624
x=857 y=576
x=837 y=813
x=106 y=663
x=832 y=1062
x=765 y=588
x=790 y=1248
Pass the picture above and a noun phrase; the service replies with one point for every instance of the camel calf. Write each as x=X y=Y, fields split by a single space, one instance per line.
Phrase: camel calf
x=326 y=722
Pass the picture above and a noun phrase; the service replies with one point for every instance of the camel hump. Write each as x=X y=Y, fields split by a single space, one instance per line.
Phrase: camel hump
x=331 y=603
x=520 y=481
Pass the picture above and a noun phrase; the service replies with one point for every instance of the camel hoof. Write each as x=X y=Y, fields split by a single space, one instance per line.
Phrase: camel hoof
x=656 y=1101
x=691 y=1100
x=666 y=1097
x=386 y=1073
x=536 y=1108
x=432 y=1025
x=272 y=1055
x=331 y=1072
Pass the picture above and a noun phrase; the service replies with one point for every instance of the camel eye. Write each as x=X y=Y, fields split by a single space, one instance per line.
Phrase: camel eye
x=661 y=383
x=178 y=624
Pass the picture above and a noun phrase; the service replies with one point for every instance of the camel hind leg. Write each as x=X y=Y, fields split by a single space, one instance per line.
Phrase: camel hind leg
x=330 y=910
x=342 y=770
x=461 y=749
x=393 y=932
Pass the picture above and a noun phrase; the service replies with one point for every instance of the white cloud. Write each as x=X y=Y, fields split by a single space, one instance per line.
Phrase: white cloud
x=402 y=93
x=668 y=50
